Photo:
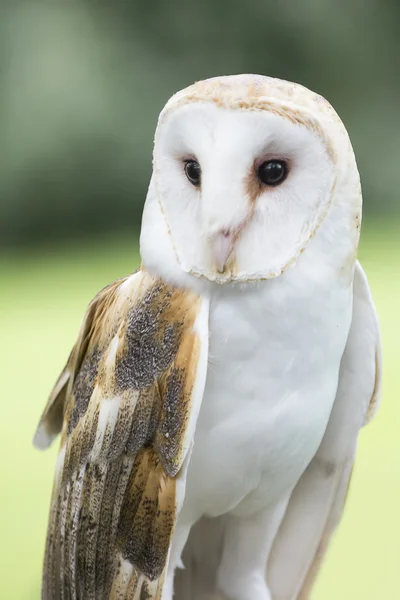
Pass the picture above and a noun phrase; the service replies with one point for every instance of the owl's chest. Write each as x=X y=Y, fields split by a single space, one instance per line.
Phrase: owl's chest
x=271 y=382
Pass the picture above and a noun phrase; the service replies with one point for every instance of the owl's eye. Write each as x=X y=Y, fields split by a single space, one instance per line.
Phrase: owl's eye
x=193 y=172
x=272 y=172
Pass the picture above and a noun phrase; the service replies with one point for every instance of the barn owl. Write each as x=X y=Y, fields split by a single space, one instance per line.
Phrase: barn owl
x=210 y=408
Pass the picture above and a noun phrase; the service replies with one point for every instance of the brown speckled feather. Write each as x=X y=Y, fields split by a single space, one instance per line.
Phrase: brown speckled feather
x=125 y=405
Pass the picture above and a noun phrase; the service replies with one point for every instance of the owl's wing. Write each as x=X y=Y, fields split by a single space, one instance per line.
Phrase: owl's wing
x=317 y=502
x=126 y=404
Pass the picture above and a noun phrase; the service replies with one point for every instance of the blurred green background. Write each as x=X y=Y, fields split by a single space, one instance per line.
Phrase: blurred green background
x=81 y=86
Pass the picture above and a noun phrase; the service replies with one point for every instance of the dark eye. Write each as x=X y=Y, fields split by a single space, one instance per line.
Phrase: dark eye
x=193 y=172
x=272 y=172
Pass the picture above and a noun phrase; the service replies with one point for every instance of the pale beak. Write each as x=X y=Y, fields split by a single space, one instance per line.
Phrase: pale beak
x=222 y=246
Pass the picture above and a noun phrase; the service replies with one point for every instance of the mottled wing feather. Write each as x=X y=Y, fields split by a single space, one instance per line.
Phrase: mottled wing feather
x=129 y=397
x=52 y=418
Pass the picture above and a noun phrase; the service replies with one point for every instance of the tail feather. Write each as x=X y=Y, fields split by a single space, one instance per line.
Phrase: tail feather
x=76 y=496
x=106 y=530
x=98 y=480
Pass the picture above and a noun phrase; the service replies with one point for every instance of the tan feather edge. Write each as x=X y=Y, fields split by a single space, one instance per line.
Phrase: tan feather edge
x=376 y=395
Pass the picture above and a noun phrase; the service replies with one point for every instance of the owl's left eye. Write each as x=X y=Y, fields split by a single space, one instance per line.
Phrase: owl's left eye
x=193 y=172
x=272 y=172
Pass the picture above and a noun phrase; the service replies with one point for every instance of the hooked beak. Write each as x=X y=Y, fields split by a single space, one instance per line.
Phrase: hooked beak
x=222 y=246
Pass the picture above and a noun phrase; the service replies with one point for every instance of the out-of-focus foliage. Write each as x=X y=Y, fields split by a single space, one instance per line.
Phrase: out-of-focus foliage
x=82 y=83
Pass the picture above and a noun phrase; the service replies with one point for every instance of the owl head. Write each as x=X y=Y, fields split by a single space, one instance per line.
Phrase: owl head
x=251 y=176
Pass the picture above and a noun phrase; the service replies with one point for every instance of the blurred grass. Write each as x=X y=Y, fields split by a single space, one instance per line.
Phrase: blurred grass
x=43 y=297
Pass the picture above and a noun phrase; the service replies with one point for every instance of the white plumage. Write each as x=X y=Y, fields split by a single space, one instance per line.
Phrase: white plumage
x=255 y=206
x=275 y=345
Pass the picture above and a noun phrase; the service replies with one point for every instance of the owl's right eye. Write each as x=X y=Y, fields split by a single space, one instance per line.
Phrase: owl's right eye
x=193 y=172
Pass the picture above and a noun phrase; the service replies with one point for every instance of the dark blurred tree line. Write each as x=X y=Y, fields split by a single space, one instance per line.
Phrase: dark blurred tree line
x=82 y=83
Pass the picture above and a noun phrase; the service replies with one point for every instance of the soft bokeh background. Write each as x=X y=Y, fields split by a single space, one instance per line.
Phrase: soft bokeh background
x=81 y=85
